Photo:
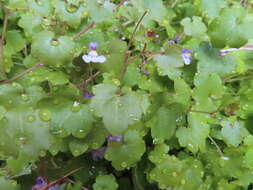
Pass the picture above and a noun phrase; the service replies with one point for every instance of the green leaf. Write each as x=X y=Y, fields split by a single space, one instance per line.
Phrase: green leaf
x=212 y=8
x=211 y=62
x=182 y=93
x=8 y=184
x=2 y=112
x=70 y=14
x=118 y=152
x=194 y=136
x=24 y=129
x=194 y=27
x=105 y=182
x=15 y=41
x=68 y=117
x=170 y=63
x=163 y=124
x=152 y=6
x=40 y=7
x=208 y=92
x=16 y=95
x=43 y=74
x=77 y=147
x=233 y=131
x=231 y=28
x=53 y=52
x=13 y=4
x=31 y=24
x=117 y=111
x=100 y=12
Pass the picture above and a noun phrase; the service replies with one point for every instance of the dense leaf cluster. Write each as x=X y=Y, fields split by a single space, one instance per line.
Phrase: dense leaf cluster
x=170 y=108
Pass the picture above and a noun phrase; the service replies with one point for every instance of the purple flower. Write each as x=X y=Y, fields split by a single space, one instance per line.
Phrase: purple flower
x=98 y=154
x=186 y=55
x=40 y=182
x=115 y=138
x=54 y=187
x=171 y=42
x=87 y=94
x=93 y=56
x=93 y=46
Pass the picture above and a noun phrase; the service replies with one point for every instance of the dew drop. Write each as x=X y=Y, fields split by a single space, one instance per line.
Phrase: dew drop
x=76 y=152
x=31 y=118
x=43 y=153
x=56 y=132
x=190 y=145
x=202 y=174
x=24 y=97
x=91 y=110
x=183 y=181
x=123 y=164
x=14 y=84
x=131 y=115
x=76 y=107
x=120 y=105
x=225 y=158
x=45 y=115
x=174 y=174
x=54 y=152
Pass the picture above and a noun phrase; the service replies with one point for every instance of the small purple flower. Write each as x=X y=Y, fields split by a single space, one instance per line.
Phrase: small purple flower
x=93 y=56
x=93 y=46
x=87 y=94
x=186 y=55
x=115 y=138
x=40 y=182
x=54 y=187
x=98 y=154
x=171 y=42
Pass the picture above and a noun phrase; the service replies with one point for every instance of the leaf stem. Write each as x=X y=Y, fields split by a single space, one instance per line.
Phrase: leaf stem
x=23 y=73
x=5 y=24
x=224 y=52
x=91 y=25
x=73 y=182
x=216 y=145
x=127 y=52
x=59 y=180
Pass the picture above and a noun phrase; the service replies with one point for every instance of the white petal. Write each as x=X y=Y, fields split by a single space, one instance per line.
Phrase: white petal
x=101 y=59
x=87 y=58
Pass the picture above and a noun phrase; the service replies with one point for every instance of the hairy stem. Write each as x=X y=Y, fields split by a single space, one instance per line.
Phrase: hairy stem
x=23 y=73
x=91 y=25
x=2 y=69
x=216 y=145
x=126 y=57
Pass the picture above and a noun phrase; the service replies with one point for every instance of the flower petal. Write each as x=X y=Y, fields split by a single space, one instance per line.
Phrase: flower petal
x=86 y=58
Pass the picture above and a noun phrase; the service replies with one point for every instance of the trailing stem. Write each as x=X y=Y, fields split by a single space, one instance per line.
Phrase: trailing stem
x=91 y=25
x=127 y=52
x=23 y=73
x=2 y=69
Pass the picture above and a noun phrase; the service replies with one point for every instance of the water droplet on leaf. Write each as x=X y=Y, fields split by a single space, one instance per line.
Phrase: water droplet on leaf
x=31 y=118
x=123 y=164
x=45 y=115
x=76 y=107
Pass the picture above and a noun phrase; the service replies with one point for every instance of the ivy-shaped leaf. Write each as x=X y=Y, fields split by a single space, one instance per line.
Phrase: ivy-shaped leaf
x=117 y=111
x=70 y=14
x=170 y=63
x=231 y=28
x=194 y=136
x=105 y=182
x=194 y=27
x=51 y=51
x=118 y=152
x=233 y=131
